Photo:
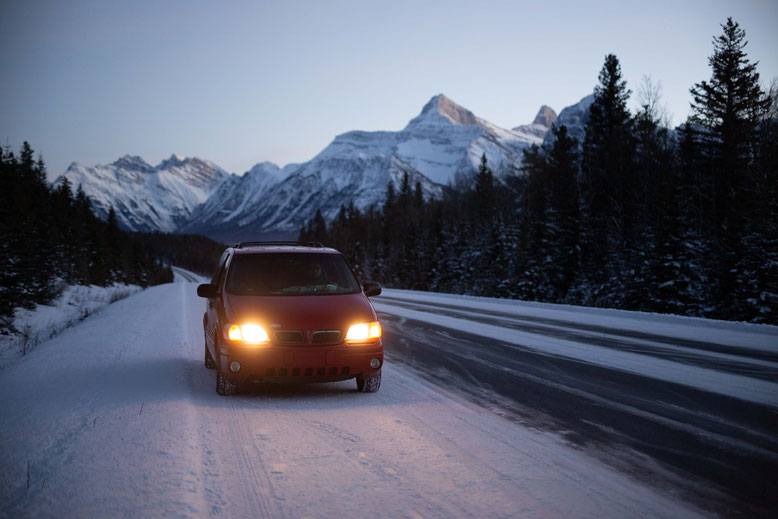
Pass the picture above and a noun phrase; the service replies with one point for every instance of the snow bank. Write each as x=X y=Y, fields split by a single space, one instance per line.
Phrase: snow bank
x=703 y=336
x=749 y=335
x=76 y=303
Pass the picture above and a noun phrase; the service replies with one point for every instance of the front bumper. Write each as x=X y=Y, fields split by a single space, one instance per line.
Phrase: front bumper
x=300 y=363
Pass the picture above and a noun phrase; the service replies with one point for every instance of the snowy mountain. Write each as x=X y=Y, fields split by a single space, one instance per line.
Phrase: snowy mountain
x=443 y=143
x=332 y=179
x=145 y=197
x=542 y=123
x=236 y=197
x=575 y=118
x=445 y=140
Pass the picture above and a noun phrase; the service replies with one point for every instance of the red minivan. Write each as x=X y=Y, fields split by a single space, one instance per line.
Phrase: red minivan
x=290 y=311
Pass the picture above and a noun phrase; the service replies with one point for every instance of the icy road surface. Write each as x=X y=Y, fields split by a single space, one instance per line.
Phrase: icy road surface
x=117 y=417
x=690 y=405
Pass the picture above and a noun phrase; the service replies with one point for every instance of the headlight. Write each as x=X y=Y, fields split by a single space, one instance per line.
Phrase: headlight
x=364 y=332
x=248 y=333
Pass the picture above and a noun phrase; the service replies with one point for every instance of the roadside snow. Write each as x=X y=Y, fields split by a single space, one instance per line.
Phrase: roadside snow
x=74 y=304
x=739 y=335
x=749 y=335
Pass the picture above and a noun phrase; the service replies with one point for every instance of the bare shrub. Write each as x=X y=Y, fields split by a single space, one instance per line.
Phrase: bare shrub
x=27 y=339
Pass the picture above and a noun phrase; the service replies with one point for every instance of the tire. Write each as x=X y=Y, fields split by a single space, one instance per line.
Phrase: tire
x=223 y=386
x=368 y=384
x=209 y=362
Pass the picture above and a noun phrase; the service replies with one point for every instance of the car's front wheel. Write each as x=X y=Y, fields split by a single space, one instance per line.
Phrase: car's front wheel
x=209 y=362
x=369 y=384
x=223 y=386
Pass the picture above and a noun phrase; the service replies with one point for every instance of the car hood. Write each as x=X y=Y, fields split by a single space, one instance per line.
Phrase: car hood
x=320 y=312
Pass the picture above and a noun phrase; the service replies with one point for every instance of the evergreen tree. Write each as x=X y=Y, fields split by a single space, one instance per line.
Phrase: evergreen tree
x=563 y=159
x=669 y=268
x=484 y=190
x=40 y=172
x=763 y=217
x=418 y=197
x=388 y=230
x=48 y=238
x=728 y=105
x=608 y=187
x=728 y=108
x=608 y=155
x=536 y=230
x=404 y=198
x=26 y=158
x=112 y=237
x=319 y=227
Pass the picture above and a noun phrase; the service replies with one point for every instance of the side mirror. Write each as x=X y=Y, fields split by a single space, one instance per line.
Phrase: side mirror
x=207 y=290
x=372 y=289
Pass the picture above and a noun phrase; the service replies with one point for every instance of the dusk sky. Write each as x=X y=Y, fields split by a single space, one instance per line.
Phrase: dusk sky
x=242 y=82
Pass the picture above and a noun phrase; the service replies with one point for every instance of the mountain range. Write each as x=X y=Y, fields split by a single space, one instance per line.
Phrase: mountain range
x=145 y=197
x=441 y=145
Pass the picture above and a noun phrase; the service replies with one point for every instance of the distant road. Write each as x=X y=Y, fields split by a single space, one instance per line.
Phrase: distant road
x=182 y=275
x=689 y=405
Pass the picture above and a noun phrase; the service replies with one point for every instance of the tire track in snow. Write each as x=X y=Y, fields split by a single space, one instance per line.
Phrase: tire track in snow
x=255 y=481
x=721 y=441
x=361 y=456
x=248 y=459
x=474 y=463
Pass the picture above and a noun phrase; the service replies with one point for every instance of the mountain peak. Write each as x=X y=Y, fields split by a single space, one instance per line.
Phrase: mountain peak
x=574 y=117
x=546 y=116
x=442 y=105
x=174 y=160
x=540 y=126
x=132 y=162
x=264 y=168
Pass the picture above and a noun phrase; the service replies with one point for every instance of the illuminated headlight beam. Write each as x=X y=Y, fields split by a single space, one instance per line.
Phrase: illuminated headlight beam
x=248 y=333
x=364 y=332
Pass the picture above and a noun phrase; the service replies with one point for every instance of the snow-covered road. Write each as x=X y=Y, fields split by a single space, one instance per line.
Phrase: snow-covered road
x=117 y=417
x=689 y=404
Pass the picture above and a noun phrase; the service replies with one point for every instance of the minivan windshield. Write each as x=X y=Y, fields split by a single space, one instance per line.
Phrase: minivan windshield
x=282 y=274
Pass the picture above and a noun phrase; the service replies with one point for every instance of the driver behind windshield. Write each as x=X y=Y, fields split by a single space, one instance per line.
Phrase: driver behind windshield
x=290 y=274
x=315 y=274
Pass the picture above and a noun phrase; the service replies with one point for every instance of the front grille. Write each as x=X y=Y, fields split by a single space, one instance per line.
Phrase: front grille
x=320 y=371
x=325 y=336
x=290 y=337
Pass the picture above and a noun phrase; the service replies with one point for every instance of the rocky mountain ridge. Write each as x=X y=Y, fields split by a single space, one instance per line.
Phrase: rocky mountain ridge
x=146 y=197
x=443 y=143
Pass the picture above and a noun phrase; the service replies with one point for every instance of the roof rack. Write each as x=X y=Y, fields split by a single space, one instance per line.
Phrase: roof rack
x=314 y=244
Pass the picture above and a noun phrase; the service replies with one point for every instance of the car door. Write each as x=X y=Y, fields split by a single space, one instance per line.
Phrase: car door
x=211 y=317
